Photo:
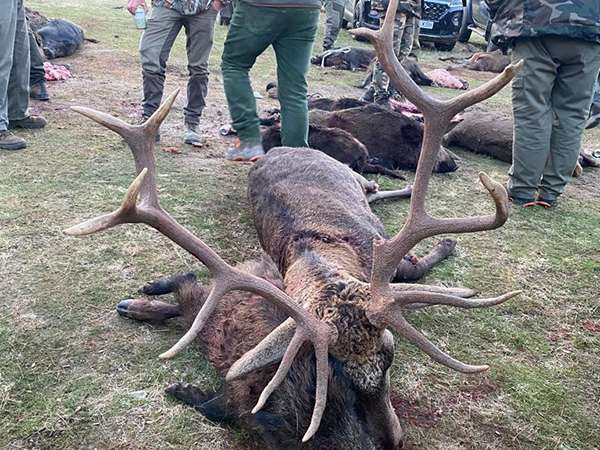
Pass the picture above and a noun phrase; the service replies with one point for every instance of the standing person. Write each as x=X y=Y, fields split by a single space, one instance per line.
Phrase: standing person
x=404 y=35
x=14 y=76
x=334 y=11
x=37 y=74
x=594 y=118
x=560 y=45
x=290 y=27
x=167 y=18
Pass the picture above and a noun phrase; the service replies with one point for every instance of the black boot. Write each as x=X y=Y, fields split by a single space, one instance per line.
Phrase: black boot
x=39 y=92
x=594 y=118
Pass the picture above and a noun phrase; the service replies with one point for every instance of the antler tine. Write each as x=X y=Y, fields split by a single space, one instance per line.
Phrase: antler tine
x=387 y=254
x=435 y=298
x=419 y=225
x=406 y=330
x=225 y=277
x=485 y=91
x=384 y=48
x=140 y=139
x=390 y=314
x=399 y=288
x=270 y=350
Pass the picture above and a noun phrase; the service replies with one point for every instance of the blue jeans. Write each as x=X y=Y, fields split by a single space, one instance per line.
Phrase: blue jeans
x=14 y=62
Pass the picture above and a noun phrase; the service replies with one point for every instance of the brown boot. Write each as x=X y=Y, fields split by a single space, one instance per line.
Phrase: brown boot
x=9 y=141
x=29 y=122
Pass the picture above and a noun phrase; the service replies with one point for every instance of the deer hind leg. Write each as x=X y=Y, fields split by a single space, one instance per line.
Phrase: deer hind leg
x=413 y=268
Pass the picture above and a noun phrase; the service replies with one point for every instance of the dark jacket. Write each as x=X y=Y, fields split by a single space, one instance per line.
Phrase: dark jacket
x=578 y=19
x=315 y=4
x=409 y=7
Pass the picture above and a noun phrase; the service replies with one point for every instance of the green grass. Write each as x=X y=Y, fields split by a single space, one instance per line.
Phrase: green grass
x=74 y=375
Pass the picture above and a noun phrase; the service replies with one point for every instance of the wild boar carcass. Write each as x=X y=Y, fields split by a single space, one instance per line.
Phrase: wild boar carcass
x=392 y=139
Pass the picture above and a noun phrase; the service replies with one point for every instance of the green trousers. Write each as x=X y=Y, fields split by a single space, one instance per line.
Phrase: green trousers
x=551 y=98
x=334 y=10
x=291 y=32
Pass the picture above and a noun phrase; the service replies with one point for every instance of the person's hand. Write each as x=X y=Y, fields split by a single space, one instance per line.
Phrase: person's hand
x=217 y=5
x=132 y=5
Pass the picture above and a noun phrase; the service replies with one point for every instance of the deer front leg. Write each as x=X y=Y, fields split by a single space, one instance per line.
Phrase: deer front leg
x=412 y=268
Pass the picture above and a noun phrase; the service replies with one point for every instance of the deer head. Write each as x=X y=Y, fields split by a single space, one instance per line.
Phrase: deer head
x=383 y=302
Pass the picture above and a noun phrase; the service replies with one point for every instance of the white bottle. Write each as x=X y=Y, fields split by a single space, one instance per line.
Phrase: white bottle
x=140 y=18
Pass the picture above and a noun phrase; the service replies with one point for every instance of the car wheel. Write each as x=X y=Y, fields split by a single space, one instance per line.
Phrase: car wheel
x=465 y=34
x=445 y=46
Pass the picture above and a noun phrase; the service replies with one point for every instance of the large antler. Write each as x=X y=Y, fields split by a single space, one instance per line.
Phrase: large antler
x=141 y=205
x=387 y=254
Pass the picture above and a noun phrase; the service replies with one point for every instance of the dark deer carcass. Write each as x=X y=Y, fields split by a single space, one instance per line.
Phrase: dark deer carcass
x=334 y=104
x=392 y=139
x=491 y=133
x=337 y=268
x=338 y=144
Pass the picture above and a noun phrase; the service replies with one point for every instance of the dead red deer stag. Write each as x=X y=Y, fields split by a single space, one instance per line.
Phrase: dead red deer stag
x=339 y=294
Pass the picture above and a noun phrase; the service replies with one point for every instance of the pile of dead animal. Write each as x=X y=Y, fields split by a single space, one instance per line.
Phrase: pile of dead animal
x=302 y=335
x=56 y=37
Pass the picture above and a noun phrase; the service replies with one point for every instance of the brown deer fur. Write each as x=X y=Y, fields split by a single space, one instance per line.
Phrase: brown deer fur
x=325 y=256
x=312 y=218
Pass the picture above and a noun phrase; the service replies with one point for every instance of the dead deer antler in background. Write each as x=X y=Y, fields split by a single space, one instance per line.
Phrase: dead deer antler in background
x=141 y=205
x=386 y=309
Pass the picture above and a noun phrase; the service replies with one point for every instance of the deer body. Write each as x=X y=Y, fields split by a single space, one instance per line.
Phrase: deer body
x=332 y=286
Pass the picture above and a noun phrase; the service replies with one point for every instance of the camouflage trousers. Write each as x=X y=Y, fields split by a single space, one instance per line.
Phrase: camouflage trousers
x=334 y=10
x=403 y=44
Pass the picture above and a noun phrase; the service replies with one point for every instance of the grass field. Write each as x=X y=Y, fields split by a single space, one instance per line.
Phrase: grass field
x=74 y=375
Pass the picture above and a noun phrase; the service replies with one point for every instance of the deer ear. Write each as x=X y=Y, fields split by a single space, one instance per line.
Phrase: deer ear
x=269 y=351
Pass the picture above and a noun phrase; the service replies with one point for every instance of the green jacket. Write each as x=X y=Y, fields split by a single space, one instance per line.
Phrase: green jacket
x=578 y=19
x=285 y=3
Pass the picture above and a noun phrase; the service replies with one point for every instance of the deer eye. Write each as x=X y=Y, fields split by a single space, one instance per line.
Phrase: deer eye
x=326 y=239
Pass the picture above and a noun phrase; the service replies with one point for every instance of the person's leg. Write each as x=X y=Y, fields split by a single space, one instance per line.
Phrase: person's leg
x=36 y=71
x=292 y=50
x=416 y=43
x=579 y=65
x=155 y=45
x=594 y=119
x=334 y=10
x=382 y=87
x=406 y=37
x=531 y=92
x=199 y=31
x=251 y=31
x=8 y=28
x=18 y=84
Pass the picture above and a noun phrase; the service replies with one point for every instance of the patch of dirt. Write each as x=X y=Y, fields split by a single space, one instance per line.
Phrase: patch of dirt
x=593 y=326
x=427 y=416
